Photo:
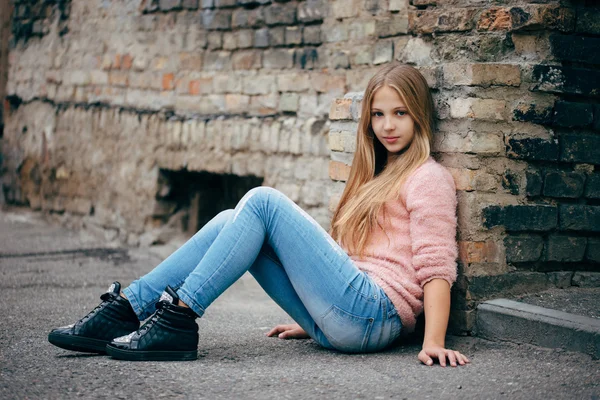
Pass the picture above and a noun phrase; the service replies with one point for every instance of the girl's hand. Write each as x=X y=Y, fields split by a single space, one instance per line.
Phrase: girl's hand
x=292 y=331
x=430 y=352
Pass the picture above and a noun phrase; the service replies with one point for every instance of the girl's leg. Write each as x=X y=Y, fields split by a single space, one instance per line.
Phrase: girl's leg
x=144 y=292
x=350 y=310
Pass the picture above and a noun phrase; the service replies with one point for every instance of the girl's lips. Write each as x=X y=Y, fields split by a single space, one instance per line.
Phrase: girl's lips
x=391 y=139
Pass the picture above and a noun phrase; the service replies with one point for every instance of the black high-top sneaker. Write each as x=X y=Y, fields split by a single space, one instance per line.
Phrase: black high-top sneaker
x=112 y=318
x=171 y=334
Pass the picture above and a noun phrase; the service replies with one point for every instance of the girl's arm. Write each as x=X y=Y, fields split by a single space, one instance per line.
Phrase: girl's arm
x=437 y=310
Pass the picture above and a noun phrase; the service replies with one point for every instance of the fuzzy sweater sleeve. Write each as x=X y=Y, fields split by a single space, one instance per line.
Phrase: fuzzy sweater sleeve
x=431 y=203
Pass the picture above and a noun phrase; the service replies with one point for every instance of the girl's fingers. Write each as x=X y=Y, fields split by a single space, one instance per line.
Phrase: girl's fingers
x=452 y=358
x=442 y=358
x=276 y=330
x=460 y=358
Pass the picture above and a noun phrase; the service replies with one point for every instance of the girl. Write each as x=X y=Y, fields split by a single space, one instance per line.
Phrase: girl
x=391 y=253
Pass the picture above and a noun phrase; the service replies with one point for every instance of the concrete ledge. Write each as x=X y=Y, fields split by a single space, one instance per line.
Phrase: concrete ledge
x=509 y=320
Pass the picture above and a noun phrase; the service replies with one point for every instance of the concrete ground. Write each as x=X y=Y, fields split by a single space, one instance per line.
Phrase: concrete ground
x=50 y=276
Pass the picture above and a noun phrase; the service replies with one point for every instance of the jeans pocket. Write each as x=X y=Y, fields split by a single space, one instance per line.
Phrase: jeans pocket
x=364 y=286
x=345 y=331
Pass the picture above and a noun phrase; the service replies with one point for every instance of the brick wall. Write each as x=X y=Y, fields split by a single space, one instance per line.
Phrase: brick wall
x=517 y=90
x=105 y=95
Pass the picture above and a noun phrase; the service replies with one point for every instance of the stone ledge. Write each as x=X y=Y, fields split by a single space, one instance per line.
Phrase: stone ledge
x=512 y=321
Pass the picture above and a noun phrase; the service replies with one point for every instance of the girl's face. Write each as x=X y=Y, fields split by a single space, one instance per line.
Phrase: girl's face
x=390 y=120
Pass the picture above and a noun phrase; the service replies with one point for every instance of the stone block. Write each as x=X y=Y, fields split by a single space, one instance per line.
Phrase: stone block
x=572 y=115
x=592 y=187
x=398 y=5
x=118 y=79
x=293 y=82
x=288 y=102
x=384 y=52
x=340 y=110
x=393 y=26
x=246 y=60
x=280 y=14
x=481 y=74
x=278 y=58
x=293 y=35
x=570 y=80
x=277 y=36
x=237 y=103
x=339 y=60
x=535 y=218
x=523 y=248
x=593 y=250
x=449 y=20
x=225 y=3
x=533 y=111
x=481 y=287
x=307 y=58
x=216 y=19
x=190 y=4
x=261 y=38
x=312 y=11
x=344 y=8
x=580 y=148
x=328 y=83
x=576 y=48
x=336 y=33
x=217 y=60
x=167 y=5
x=214 y=40
x=561 y=248
x=586 y=279
x=261 y=84
x=532 y=149
x=312 y=35
x=579 y=218
x=564 y=184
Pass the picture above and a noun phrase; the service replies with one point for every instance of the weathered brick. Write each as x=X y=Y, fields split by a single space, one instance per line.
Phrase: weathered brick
x=571 y=115
x=312 y=10
x=481 y=74
x=534 y=183
x=565 y=248
x=278 y=58
x=280 y=14
x=339 y=171
x=216 y=19
x=340 y=110
x=261 y=38
x=277 y=36
x=190 y=4
x=394 y=26
x=592 y=186
x=312 y=34
x=523 y=248
x=483 y=109
x=307 y=58
x=579 y=218
x=328 y=83
x=576 y=48
x=166 y=5
x=534 y=111
x=564 y=184
x=588 y=21
x=214 y=40
x=532 y=149
x=481 y=287
x=526 y=17
x=586 y=279
x=557 y=79
x=225 y=3
x=344 y=8
x=247 y=59
x=535 y=218
x=293 y=35
x=580 y=148
x=262 y=84
x=288 y=102
x=217 y=60
x=292 y=82
x=339 y=60
x=477 y=252
x=384 y=52
x=237 y=103
x=451 y=20
x=190 y=61
x=596 y=125
x=593 y=250
x=118 y=78
x=226 y=83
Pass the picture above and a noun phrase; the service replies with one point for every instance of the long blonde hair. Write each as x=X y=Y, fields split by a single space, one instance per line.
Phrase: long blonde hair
x=374 y=177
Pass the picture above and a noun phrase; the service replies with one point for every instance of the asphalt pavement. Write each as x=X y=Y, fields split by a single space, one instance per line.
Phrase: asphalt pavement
x=51 y=276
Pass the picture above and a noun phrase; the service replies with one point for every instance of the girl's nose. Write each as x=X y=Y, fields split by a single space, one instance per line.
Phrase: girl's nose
x=388 y=126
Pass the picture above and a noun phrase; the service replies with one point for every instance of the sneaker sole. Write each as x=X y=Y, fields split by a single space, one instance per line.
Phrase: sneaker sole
x=78 y=343
x=151 y=355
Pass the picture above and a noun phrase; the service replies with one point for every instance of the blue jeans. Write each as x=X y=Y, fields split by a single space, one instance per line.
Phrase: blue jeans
x=295 y=261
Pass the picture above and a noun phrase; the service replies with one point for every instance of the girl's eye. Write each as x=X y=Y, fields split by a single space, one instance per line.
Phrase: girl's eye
x=376 y=114
x=400 y=113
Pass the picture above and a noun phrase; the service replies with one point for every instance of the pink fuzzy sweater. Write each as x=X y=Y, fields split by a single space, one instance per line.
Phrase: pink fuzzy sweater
x=421 y=227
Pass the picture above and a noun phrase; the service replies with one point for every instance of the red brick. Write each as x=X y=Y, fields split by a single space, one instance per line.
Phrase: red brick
x=168 y=81
x=452 y=20
x=476 y=252
x=340 y=109
x=339 y=171
x=126 y=61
